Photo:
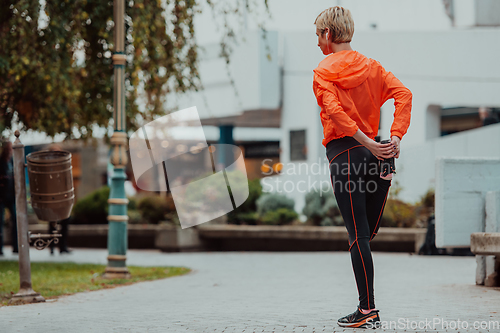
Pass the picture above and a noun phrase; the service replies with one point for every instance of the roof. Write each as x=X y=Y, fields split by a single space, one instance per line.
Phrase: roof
x=249 y=118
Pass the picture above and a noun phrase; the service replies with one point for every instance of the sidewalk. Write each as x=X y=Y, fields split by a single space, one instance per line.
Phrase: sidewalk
x=262 y=292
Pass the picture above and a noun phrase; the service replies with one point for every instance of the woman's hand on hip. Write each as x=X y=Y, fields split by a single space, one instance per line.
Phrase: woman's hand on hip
x=381 y=150
x=395 y=140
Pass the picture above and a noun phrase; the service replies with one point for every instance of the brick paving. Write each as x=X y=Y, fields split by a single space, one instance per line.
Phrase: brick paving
x=265 y=292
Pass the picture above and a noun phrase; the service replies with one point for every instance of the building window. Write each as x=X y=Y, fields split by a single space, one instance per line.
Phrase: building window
x=298 y=151
x=458 y=119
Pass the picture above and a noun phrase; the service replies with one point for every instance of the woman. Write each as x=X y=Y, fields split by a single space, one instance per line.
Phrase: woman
x=350 y=89
x=7 y=194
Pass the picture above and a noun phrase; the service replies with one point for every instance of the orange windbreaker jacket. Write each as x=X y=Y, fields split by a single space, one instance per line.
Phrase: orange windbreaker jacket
x=350 y=89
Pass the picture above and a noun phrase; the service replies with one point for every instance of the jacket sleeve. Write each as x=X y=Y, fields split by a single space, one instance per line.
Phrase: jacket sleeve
x=331 y=105
x=393 y=88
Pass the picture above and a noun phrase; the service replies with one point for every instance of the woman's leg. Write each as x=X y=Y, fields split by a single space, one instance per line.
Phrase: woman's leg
x=2 y=208
x=52 y=228
x=348 y=173
x=63 y=243
x=11 y=205
x=377 y=192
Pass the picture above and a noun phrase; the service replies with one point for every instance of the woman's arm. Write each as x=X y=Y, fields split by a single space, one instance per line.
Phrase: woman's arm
x=393 y=88
x=335 y=112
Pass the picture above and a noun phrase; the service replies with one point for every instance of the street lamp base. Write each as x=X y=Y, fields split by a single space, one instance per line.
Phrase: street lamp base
x=26 y=296
x=116 y=273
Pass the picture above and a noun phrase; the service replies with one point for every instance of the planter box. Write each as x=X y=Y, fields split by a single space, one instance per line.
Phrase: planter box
x=176 y=239
x=303 y=238
x=214 y=236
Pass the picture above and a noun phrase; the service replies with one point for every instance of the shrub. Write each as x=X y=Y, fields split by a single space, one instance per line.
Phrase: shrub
x=93 y=208
x=281 y=216
x=134 y=216
x=271 y=202
x=132 y=203
x=155 y=208
x=248 y=218
x=424 y=209
x=246 y=212
x=254 y=193
x=398 y=214
x=321 y=209
x=213 y=189
x=427 y=199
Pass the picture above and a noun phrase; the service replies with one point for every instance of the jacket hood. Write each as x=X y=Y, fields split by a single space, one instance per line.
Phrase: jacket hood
x=347 y=69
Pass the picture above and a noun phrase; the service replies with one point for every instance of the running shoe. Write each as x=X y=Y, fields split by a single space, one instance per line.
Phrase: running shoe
x=358 y=319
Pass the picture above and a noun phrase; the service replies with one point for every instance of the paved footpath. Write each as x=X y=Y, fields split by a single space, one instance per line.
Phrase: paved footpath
x=266 y=292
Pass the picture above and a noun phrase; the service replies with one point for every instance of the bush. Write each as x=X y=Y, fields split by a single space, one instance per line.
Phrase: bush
x=254 y=193
x=248 y=218
x=92 y=209
x=424 y=209
x=155 y=208
x=398 y=214
x=271 y=202
x=427 y=199
x=321 y=209
x=246 y=212
x=281 y=216
x=132 y=203
x=134 y=216
x=213 y=189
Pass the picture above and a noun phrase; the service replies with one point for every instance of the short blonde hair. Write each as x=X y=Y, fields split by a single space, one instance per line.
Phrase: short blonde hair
x=339 y=21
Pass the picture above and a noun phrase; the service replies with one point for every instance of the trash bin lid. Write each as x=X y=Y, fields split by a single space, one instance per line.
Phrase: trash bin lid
x=48 y=156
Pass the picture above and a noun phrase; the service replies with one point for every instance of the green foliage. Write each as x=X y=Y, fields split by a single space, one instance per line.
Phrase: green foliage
x=424 y=208
x=280 y=216
x=248 y=218
x=246 y=212
x=427 y=199
x=321 y=209
x=132 y=203
x=57 y=77
x=254 y=193
x=398 y=214
x=273 y=201
x=154 y=209
x=134 y=216
x=214 y=189
x=92 y=209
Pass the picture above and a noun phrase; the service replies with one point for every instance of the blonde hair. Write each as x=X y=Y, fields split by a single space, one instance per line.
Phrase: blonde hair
x=340 y=23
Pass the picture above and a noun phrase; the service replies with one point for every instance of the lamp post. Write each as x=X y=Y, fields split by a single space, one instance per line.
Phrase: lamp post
x=117 y=213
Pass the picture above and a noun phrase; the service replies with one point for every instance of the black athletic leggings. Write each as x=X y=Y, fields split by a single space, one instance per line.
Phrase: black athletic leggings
x=361 y=195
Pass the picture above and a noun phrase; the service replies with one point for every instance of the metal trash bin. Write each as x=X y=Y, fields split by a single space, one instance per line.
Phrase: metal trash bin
x=51 y=184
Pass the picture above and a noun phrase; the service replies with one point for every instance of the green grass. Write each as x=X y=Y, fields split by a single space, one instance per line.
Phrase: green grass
x=55 y=279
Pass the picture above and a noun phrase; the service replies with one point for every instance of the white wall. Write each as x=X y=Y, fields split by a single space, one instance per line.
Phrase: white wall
x=416 y=165
x=388 y=15
x=461 y=189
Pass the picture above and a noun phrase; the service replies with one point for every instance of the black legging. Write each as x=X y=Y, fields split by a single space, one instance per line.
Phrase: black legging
x=361 y=195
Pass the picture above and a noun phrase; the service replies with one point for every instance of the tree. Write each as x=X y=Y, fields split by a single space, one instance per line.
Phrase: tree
x=56 y=60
